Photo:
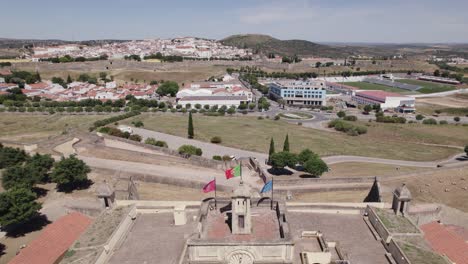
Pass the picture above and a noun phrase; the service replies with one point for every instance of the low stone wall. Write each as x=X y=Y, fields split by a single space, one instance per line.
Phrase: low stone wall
x=378 y=225
x=287 y=181
x=117 y=237
x=195 y=160
x=397 y=253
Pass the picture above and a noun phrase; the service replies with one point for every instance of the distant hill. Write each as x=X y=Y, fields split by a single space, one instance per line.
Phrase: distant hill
x=266 y=44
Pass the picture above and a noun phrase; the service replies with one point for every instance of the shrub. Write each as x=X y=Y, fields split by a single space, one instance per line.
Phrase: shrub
x=227 y=158
x=456 y=119
x=277 y=117
x=443 y=122
x=348 y=128
x=430 y=121
x=216 y=140
x=350 y=118
x=135 y=137
x=160 y=143
x=260 y=118
x=419 y=117
x=138 y=123
x=217 y=157
x=190 y=150
x=341 y=114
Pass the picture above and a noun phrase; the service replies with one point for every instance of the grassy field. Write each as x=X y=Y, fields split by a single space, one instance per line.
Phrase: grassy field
x=418 y=133
x=429 y=87
x=373 y=86
x=437 y=186
x=252 y=134
x=363 y=169
x=29 y=128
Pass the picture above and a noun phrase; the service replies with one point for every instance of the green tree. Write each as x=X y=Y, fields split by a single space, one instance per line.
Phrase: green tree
x=282 y=159
x=419 y=117
x=69 y=173
x=315 y=166
x=11 y=156
x=456 y=119
x=306 y=155
x=166 y=88
x=20 y=176
x=41 y=164
x=341 y=114
x=190 y=127
x=231 y=111
x=17 y=206
x=367 y=109
x=69 y=79
x=271 y=151
x=286 y=144
x=466 y=150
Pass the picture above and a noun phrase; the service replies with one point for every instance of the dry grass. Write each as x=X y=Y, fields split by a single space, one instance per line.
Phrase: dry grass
x=30 y=128
x=165 y=192
x=331 y=197
x=252 y=134
x=439 y=186
x=361 y=169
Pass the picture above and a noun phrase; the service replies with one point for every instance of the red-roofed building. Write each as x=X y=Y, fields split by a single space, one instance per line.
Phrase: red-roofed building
x=386 y=100
x=5 y=72
x=39 y=86
x=446 y=242
x=6 y=86
x=54 y=240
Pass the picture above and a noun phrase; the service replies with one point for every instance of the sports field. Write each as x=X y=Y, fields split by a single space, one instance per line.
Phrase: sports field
x=373 y=86
x=429 y=87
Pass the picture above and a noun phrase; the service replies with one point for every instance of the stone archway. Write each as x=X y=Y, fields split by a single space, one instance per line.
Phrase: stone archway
x=240 y=257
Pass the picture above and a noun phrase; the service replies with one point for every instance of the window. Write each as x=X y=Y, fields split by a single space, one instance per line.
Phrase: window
x=241 y=221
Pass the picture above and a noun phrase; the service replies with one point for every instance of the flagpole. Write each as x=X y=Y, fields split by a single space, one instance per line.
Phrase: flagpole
x=216 y=202
x=272 y=190
x=240 y=168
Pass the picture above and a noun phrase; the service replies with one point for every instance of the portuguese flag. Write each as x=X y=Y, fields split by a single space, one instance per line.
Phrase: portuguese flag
x=233 y=172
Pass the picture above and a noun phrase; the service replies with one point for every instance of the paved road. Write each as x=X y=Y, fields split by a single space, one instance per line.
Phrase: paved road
x=209 y=149
x=197 y=175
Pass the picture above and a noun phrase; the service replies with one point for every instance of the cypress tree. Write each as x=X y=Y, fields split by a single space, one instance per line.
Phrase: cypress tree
x=286 y=144
x=190 y=126
x=271 y=151
x=69 y=79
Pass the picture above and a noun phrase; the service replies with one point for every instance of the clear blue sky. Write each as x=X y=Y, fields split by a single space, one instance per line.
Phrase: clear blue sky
x=314 y=20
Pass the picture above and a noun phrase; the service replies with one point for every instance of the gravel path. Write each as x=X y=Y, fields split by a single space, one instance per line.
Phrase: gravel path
x=209 y=149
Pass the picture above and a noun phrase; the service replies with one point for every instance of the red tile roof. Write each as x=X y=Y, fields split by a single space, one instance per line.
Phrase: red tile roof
x=54 y=240
x=444 y=241
x=379 y=94
x=40 y=85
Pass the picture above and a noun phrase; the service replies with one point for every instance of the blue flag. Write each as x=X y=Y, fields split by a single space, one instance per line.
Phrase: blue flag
x=267 y=187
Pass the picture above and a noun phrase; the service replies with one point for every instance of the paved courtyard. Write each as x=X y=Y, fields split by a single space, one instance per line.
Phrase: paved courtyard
x=154 y=239
x=352 y=233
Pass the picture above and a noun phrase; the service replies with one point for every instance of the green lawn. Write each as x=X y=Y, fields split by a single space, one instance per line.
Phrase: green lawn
x=429 y=87
x=373 y=86
x=252 y=134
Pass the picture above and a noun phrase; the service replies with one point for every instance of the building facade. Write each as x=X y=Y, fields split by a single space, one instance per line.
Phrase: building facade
x=386 y=100
x=299 y=93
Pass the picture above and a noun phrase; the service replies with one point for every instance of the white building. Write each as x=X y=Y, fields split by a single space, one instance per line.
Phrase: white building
x=299 y=93
x=213 y=100
x=386 y=100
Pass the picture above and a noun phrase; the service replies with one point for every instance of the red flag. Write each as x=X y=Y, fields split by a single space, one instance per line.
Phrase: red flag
x=229 y=173
x=209 y=187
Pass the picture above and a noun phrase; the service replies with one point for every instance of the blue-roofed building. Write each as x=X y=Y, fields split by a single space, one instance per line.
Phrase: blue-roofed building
x=299 y=93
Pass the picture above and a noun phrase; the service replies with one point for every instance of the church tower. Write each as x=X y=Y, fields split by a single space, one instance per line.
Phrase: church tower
x=241 y=221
